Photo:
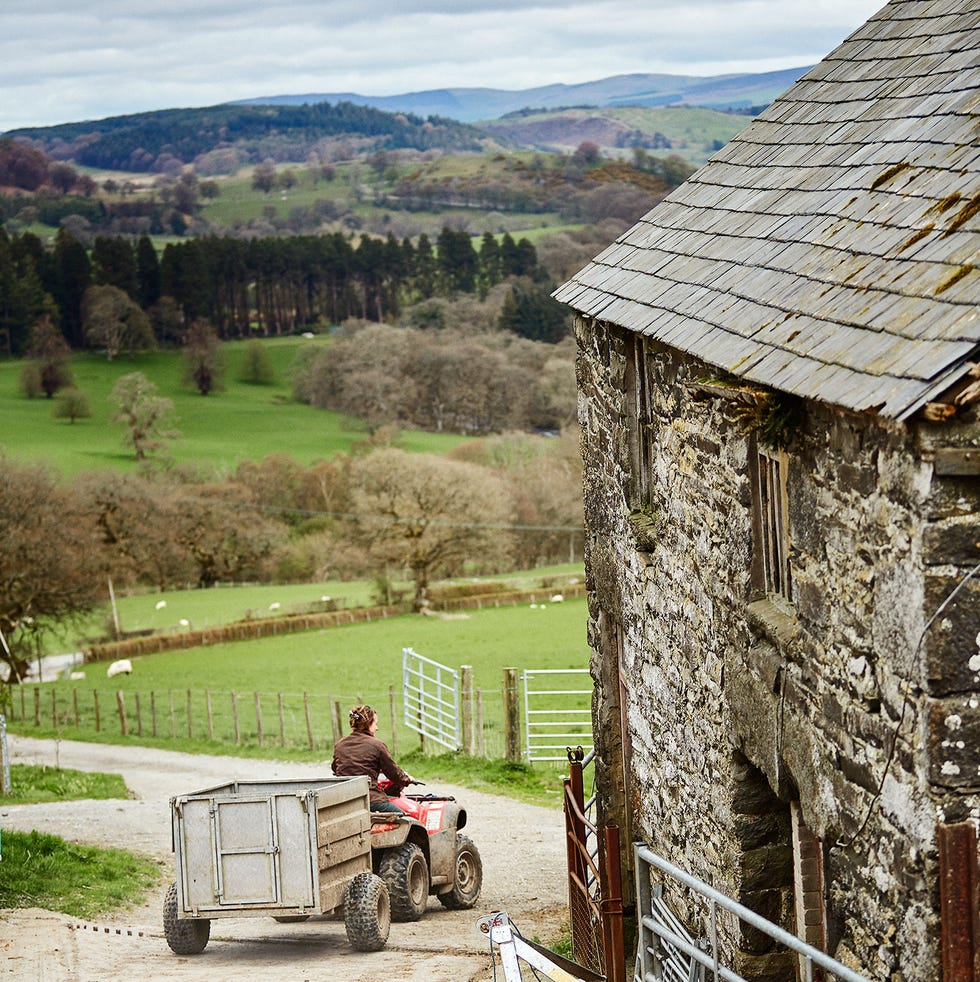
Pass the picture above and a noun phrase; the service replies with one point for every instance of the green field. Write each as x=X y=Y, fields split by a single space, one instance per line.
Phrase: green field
x=345 y=664
x=242 y=422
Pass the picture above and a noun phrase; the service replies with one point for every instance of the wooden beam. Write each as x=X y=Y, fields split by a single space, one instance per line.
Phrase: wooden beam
x=957 y=461
x=958 y=902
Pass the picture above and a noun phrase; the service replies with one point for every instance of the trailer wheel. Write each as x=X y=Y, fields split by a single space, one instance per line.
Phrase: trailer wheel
x=406 y=874
x=187 y=937
x=367 y=912
x=468 y=880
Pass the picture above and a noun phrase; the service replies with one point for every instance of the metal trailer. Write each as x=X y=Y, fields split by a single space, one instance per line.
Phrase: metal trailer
x=285 y=849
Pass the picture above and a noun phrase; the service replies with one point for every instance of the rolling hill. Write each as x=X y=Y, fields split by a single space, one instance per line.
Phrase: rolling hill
x=740 y=92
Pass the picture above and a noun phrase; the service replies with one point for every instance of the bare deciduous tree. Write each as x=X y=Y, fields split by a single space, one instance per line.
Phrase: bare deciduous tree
x=428 y=514
x=48 y=560
x=115 y=322
x=146 y=416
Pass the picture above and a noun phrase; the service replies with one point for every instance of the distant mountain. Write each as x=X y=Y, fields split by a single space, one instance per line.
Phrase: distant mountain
x=728 y=92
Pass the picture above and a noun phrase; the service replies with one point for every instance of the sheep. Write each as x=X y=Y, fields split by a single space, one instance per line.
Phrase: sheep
x=122 y=667
x=160 y=604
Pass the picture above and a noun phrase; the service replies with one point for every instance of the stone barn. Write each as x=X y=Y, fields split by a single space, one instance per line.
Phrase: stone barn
x=778 y=391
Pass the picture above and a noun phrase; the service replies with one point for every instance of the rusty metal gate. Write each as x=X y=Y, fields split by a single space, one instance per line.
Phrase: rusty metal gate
x=595 y=894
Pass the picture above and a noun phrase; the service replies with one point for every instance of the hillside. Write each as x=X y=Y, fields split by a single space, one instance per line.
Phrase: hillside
x=693 y=134
x=727 y=92
x=154 y=141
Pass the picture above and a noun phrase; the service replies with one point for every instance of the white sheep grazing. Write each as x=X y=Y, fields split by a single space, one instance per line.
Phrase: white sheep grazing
x=557 y=598
x=160 y=604
x=122 y=667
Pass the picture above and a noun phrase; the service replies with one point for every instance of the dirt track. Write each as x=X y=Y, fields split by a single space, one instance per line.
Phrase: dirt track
x=522 y=847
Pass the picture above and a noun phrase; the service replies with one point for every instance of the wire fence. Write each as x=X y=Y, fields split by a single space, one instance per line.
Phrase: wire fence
x=310 y=720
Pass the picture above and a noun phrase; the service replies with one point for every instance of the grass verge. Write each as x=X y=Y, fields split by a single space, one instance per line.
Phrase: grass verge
x=40 y=870
x=32 y=784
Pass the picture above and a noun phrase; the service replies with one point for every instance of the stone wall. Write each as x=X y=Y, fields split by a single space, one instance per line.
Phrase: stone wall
x=721 y=688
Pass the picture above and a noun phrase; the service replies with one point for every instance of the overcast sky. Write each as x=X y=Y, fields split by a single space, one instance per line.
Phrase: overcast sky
x=65 y=61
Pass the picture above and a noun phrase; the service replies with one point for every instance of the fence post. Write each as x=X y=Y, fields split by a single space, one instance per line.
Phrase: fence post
x=466 y=698
x=394 y=719
x=282 y=723
x=309 y=724
x=121 y=703
x=207 y=701
x=336 y=721
x=512 y=717
x=139 y=715
x=173 y=718
x=234 y=715
x=37 y=706
x=95 y=699
x=258 y=718
x=190 y=724
x=481 y=747
x=153 y=711
x=54 y=709
x=74 y=702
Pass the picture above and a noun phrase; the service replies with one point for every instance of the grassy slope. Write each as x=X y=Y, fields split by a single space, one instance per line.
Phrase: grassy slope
x=218 y=431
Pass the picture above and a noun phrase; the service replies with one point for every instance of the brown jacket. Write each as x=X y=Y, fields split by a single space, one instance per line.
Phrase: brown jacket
x=361 y=753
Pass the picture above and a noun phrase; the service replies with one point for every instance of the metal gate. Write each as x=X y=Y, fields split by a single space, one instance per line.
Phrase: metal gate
x=665 y=949
x=557 y=712
x=595 y=888
x=430 y=693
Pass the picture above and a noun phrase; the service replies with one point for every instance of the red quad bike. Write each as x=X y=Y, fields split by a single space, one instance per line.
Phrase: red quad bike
x=422 y=853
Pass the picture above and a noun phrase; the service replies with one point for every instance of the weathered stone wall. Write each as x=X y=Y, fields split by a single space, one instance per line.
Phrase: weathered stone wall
x=722 y=687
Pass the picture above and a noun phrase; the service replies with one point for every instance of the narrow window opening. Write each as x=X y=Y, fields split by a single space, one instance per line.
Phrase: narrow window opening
x=772 y=566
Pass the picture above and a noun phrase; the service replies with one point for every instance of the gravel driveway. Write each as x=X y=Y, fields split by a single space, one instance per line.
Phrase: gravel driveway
x=522 y=847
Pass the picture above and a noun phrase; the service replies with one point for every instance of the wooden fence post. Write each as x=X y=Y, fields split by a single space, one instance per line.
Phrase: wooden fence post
x=173 y=718
x=336 y=721
x=512 y=717
x=282 y=723
x=153 y=711
x=139 y=715
x=481 y=747
x=54 y=709
x=394 y=719
x=121 y=703
x=74 y=703
x=309 y=723
x=466 y=698
x=207 y=700
x=37 y=706
x=234 y=716
x=190 y=725
x=258 y=717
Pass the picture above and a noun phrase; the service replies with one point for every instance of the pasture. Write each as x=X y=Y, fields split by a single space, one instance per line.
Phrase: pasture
x=242 y=422
x=184 y=699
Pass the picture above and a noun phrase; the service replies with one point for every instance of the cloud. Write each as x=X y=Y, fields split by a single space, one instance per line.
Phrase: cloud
x=61 y=62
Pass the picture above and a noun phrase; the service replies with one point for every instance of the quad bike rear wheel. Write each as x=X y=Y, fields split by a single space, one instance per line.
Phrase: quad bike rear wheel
x=367 y=912
x=406 y=874
x=185 y=937
x=468 y=879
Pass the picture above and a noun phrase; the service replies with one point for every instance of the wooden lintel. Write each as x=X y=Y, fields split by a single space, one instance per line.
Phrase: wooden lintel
x=957 y=461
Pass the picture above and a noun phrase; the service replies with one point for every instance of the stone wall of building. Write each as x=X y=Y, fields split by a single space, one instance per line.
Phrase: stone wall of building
x=717 y=708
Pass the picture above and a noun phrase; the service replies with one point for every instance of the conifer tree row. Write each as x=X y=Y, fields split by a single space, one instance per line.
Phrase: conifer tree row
x=243 y=287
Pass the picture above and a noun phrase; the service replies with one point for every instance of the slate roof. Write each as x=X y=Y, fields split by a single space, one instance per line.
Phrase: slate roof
x=832 y=249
